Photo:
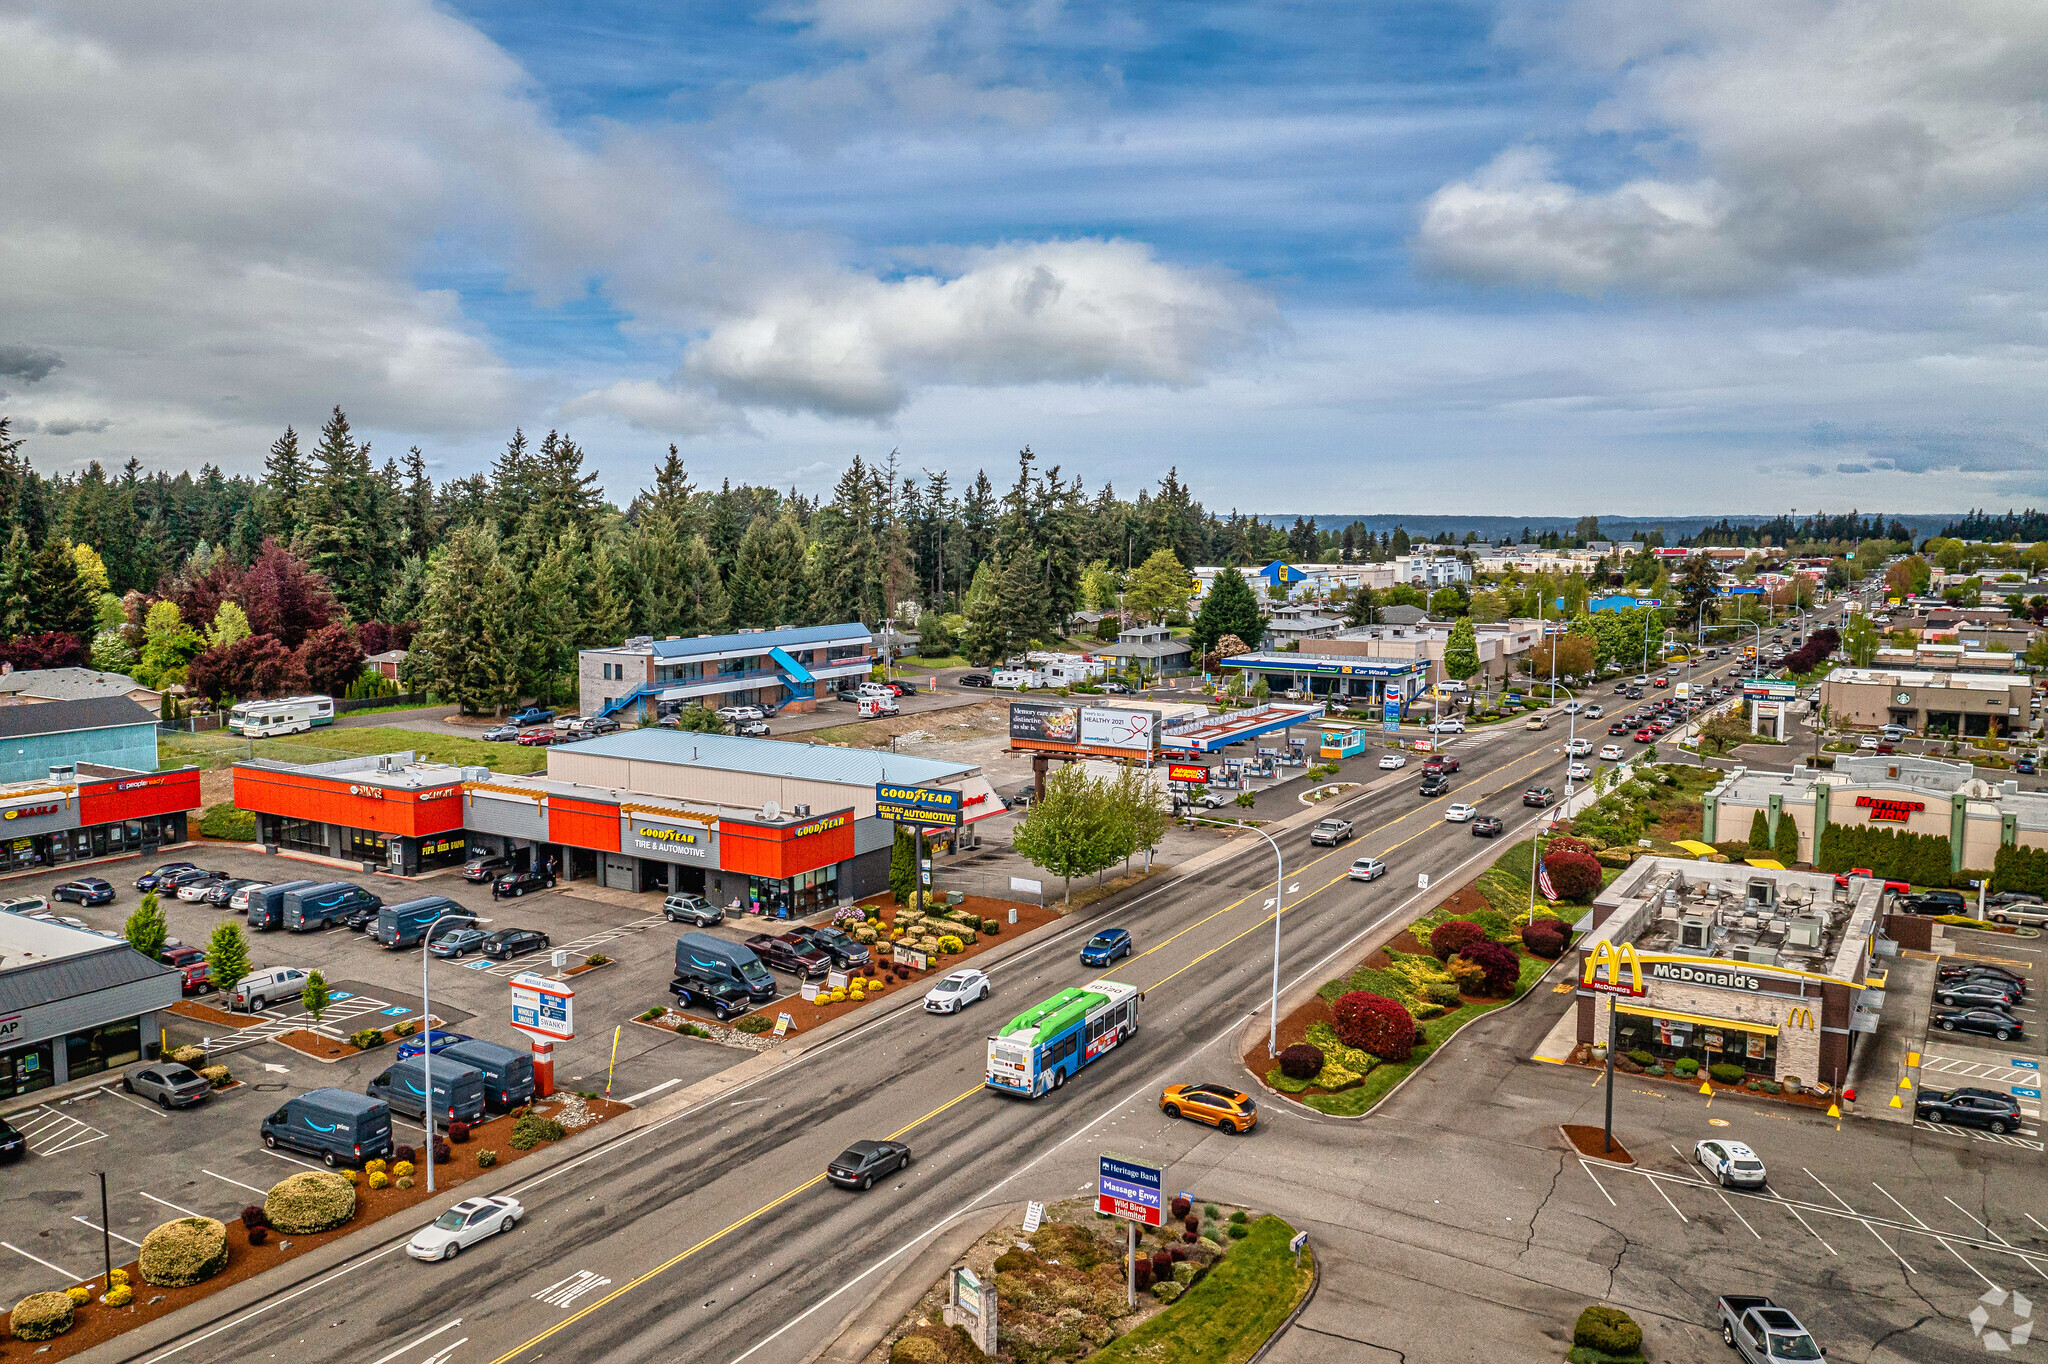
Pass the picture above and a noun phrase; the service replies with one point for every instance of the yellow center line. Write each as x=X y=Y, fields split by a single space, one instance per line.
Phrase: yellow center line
x=961 y=1097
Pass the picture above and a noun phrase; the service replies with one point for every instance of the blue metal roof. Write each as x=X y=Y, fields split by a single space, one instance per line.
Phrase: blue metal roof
x=764 y=640
x=768 y=757
x=1327 y=665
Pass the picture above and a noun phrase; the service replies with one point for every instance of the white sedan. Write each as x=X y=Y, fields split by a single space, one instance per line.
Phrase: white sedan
x=1460 y=813
x=1390 y=761
x=1610 y=753
x=1367 y=869
x=956 y=992
x=1578 y=772
x=465 y=1224
x=1731 y=1162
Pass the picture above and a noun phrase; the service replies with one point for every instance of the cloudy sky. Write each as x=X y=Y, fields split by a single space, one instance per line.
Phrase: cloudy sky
x=1581 y=255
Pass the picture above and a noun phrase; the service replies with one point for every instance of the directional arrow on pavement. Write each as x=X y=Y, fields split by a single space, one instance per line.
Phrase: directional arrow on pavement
x=277 y=1070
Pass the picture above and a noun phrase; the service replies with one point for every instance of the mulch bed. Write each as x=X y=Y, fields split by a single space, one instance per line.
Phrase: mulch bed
x=95 y=1325
x=321 y=1047
x=1582 y=1055
x=1591 y=1143
x=219 y=1018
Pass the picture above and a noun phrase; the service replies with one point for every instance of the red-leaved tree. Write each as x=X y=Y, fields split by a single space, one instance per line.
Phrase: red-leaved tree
x=1446 y=940
x=1574 y=875
x=330 y=659
x=1502 y=967
x=1373 y=1023
x=283 y=597
x=50 y=649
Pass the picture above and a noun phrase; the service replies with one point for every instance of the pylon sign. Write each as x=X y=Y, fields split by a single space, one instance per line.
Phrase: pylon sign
x=1624 y=973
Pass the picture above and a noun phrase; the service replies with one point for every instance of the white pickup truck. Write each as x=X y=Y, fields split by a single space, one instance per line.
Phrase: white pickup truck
x=1764 y=1333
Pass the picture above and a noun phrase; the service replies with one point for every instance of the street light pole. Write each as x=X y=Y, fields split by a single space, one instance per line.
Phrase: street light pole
x=427 y=1019
x=1279 y=903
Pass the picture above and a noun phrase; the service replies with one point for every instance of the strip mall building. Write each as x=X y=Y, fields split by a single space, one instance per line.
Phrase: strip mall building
x=776 y=827
x=86 y=811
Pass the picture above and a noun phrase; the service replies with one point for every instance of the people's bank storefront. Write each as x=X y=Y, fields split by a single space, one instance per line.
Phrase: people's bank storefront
x=1771 y=1022
x=55 y=823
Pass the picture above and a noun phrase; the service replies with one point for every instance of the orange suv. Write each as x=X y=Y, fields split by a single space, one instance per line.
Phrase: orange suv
x=1221 y=1105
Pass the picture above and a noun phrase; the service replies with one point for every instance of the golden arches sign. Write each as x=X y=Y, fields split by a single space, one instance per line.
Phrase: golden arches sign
x=1800 y=1017
x=1617 y=958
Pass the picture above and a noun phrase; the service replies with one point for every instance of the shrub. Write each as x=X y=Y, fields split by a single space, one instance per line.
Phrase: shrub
x=186 y=1251
x=1502 y=968
x=1142 y=1275
x=1239 y=1216
x=458 y=1132
x=1184 y=1272
x=371 y=1167
x=1446 y=940
x=755 y=1023
x=405 y=1181
x=486 y=1158
x=1181 y=1207
x=531 y=1130
x=258 y=1235
x=1238 y=1231
x=1469 y=977
x=120 y=1295
x=1609 y=1330
x=188 y=1056
x=1641 y=1057
x=379 y=1180
x=1376 y=1025
x=352 y=1176
x=1574 y=875
x=41 y=1316
x=1162 y=1264
x=648 y=1017
x=596 y=959
x=1301 y=1061
x=217 y=1076
x=78 y=1293
x=302 y=1204
x=366 y=1039
x=404 y=1165
x=405 y=1029
x=443 y=1153
x=119 y=1278
x=1168 y=1290
x=1686 y=1066
x=252 y=1217
x=1442 y=992
x=1726 y=1074
x=1543 y=941
x=992 y=927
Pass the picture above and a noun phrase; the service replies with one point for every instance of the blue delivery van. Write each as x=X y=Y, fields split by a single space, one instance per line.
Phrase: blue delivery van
x=339 y=1127
x=458 y=1089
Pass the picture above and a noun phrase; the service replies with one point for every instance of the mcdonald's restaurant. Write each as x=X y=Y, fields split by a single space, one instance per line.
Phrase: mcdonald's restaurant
x=1777 y=972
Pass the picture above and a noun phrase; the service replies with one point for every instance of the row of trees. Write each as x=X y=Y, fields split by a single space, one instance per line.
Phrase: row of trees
x=1087 y=824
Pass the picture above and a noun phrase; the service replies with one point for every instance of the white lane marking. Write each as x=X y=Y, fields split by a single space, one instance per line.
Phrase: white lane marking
x=1974 y=1218
x=1658 y=1185
x=2035 y=1220
x=172 y=1206
x=1966 y=1264
x=415 y=1343
x=1900 y=1206
x=115 y=1234
x=44 y=1263
x=154 y=1110
x=1738 y=1216
x=650 y=1093
x=1804 y=1223
x=236 y=1182
x=278 y=1301
x=564 y=1292
x=441 y=1356
x=1597 y=1184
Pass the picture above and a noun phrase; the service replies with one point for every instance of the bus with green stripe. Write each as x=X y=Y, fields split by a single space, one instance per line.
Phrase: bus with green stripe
x=1040 y=1048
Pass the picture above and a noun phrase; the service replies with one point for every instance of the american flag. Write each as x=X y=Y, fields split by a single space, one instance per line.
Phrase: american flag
x=1543 y=882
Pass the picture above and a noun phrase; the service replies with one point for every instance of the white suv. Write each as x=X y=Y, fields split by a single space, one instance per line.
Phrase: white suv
x=735 y=714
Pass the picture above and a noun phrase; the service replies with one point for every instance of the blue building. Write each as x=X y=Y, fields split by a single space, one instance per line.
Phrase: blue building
x=645 y=678
x=108 y=731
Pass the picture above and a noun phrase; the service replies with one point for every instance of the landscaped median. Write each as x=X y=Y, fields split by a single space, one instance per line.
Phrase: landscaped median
x=187 y=1258
x=1213 y=1287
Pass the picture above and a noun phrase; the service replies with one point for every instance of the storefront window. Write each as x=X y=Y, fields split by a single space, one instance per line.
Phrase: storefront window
x=445 y=851
x=103 y=1048
x=24 y=852
x=27 y=1070
x=1714 y=1044
x=302 y=834
x=367 y=845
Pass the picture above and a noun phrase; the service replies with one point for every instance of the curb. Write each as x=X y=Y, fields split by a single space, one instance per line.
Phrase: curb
x=1315 y=1281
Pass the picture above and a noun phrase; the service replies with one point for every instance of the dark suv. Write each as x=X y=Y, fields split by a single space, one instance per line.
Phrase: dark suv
x=721 y=997
x=1986 y=1108
x=788 y=952
x=1538 y=796
x=520 y=882
x=1434 y=784
x=1937 y=902
x=834 y=943
x=485 y=868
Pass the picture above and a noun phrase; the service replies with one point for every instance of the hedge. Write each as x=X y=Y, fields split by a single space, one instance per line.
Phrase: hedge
x=1376 y=1025
x=1917 y=859
x=300 y=1205
x=2021 y=869
x=184 y=1252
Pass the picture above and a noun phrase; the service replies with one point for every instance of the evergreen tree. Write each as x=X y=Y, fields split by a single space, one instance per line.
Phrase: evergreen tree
x=551 y=615
x=17 y=586
x=1759 y=831
x=284 y=476
x=1786 y=846
x=471 y=639
x=1364 y=608
x=146 y=928
x=1228 y=609
x=903 y=866
x=344 y=532
x=788 y=554
x=421 y=515
x=709 y=612
x=752 y=585
x=672 y=497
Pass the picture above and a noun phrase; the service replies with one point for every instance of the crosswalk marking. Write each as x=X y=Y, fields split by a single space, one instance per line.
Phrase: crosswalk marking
x=51 y=1133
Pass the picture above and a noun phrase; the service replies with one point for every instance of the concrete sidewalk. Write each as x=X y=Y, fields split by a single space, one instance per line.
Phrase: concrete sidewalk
x=1882 y=1059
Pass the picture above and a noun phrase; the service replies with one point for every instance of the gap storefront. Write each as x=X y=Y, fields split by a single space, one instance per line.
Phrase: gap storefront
x=55 y=823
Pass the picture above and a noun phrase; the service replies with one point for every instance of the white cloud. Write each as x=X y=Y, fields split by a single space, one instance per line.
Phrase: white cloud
x=652 y=405
x=1087 y=310
x=1790 y=137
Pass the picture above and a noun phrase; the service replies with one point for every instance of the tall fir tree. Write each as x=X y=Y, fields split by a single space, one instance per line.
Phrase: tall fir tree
x=1228 y=609
x=472 y=640
x=285 y=478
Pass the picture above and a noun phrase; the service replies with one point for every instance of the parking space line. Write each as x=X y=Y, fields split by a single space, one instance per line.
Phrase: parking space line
x=2035 y=1220
x=236 y=1182
x=1900 y=1206
x=44 y=1263
x=1738 y=1216
x=1657 y=1183
x=154 y=1110
x=115 y=1234
x=1966 y=1264
x=1787 y=1206
x=290 y=1159
x=1598 y=1185
x=1974 y=1218
x=167 y=1203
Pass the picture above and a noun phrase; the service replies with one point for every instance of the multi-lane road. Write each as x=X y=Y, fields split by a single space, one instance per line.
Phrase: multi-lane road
x=710 y=1234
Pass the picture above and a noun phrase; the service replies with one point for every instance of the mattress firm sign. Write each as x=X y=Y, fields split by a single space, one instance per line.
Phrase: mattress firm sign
x=1715 y=975
x=670 y=842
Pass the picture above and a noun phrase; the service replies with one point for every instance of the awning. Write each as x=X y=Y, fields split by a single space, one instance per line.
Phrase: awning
x=1694 y=846
x=1764 y=863
x=1705 y=1020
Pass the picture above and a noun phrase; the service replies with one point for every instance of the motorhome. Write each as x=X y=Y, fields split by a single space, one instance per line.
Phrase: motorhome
x=292 y=715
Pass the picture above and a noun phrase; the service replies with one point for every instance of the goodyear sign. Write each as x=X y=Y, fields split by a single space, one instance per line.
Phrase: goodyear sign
x=1624 y=973
x=817 y=826
x=937 y=807
x=672 y=844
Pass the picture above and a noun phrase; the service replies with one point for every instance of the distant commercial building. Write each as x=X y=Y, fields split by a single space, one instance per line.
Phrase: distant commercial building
x=73 y=1004
x=645 y=678
x=111 y=731
x=1885 y=791
x=1765 y=970
x=1431 y=571
x=1153 y=647
x=1499 y=644
x=1928 y=702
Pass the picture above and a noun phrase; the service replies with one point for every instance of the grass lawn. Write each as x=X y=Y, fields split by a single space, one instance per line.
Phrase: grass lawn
x=913 y=663
x=1350 y=1103
x=220 y=749
x=1226 y=1317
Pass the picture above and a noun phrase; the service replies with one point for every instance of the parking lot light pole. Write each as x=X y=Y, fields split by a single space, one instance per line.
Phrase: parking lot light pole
x=427 y=1019
x=1279 y=875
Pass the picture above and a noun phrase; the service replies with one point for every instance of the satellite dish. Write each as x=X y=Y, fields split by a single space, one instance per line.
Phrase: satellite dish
x=770 y=810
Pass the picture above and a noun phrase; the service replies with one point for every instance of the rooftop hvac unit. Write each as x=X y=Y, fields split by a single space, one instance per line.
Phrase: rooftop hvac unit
x=68 y=772
x=1761 y=956
x=1761 y=890
x=1694 y=932
x=800 y=811
x=1803 y=932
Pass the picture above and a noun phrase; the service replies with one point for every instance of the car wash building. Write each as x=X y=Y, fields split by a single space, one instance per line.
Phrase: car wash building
x=781 y=829
x=1775 y=972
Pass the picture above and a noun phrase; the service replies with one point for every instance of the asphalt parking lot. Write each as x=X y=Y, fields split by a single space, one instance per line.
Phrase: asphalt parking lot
x=208 y=1159
x=1950 y=1060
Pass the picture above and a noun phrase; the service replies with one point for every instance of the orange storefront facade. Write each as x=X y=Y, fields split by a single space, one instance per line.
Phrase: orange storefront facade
x=58 y=822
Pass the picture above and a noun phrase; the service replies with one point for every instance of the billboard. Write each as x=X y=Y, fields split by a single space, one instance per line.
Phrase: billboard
x=1127 y=1189
x=937 y=807
x=1107 y=729
x=543 y=1007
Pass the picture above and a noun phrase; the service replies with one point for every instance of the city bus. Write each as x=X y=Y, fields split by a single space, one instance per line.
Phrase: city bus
x=262 y=719
x=1038 y=1049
